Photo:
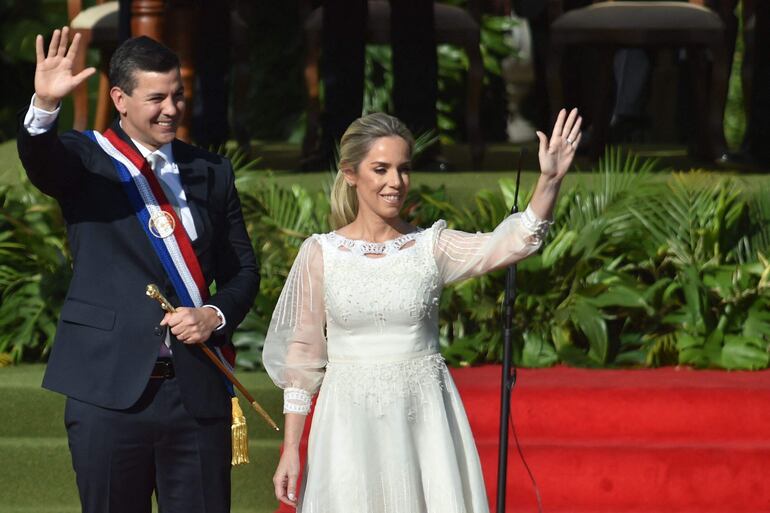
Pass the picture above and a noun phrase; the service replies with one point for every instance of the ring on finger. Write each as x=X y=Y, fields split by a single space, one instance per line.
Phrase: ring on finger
x=570 y=141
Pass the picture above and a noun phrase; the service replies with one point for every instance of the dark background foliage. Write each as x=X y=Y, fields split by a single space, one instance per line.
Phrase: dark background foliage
x=268 y=50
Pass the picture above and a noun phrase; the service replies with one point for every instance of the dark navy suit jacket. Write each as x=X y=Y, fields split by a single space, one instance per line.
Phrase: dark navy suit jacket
x=108 y=335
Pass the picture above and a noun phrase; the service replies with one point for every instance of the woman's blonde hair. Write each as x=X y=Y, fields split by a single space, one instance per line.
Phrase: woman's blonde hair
x=354 y=146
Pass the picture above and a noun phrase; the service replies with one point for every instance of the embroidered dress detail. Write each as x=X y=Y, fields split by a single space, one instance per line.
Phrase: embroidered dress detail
x=537 y=226
x=378 y=386
x=296 y=400
x=362 y=247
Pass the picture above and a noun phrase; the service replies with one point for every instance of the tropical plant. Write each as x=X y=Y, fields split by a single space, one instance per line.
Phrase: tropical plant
x=20 y=22
x=735 y=115
x=715 y=305
x=34 y=271
x=278 y=221
x=635 y=271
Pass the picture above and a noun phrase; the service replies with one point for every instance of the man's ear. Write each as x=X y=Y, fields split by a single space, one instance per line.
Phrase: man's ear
x=351 y=177
x=119 y=99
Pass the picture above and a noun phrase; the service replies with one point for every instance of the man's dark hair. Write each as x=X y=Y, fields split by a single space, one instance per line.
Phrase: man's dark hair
x=139 y=54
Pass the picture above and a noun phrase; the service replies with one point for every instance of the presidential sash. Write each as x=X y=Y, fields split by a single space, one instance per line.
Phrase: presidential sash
x=162 y=226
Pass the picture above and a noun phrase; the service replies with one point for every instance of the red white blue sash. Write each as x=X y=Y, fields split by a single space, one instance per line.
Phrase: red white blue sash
x=162 y=226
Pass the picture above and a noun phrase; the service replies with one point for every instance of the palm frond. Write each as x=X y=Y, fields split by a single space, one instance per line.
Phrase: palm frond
x=693 y=219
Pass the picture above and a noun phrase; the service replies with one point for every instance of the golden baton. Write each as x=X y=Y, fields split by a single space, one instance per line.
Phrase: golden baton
x=154 y=293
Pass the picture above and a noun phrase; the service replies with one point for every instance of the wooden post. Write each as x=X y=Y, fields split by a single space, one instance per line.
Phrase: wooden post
x=181 y=20
x=80 y=94
x=171 y=22
x=105 y=111
x=147 y=18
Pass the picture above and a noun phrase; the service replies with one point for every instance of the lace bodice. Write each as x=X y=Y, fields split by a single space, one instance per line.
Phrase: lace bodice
x=340 y=303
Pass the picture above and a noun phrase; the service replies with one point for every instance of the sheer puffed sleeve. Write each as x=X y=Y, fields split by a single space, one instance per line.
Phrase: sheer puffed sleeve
x=294 y=353
x=461 y=255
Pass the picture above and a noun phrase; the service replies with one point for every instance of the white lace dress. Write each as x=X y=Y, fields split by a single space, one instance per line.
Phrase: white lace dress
x=357 y=322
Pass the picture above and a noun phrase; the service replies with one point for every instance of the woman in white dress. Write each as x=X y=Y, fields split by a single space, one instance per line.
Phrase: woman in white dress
x=357 y=322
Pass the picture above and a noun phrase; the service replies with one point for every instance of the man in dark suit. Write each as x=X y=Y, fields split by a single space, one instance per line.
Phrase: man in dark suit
x=146 y=410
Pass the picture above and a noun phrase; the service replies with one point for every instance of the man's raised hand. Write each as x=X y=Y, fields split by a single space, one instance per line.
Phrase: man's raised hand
x=53 y=74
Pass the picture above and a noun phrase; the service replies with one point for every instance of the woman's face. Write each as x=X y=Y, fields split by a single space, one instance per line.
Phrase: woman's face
x=382 y=179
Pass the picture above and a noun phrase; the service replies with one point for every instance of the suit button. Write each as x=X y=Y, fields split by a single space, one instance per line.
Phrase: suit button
x=158 y=330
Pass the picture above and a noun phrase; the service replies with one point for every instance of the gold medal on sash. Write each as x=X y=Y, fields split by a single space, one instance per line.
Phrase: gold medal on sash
x=162 y=224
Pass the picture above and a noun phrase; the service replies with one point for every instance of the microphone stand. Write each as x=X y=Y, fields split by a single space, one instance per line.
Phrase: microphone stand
x=508 y=379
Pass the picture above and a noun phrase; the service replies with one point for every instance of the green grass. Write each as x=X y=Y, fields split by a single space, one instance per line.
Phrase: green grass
x=42 y=410
x=10 y=166
x=35 y=465
x=461 y=186
x=38 y=473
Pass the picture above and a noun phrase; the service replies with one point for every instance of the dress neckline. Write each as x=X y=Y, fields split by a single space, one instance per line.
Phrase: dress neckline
x=365 y=247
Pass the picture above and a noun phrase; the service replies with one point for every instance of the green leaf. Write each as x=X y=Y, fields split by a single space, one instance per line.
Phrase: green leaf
x=757 y=323
x=590 y=321
x=621 y=296
x=713 y=346
x=691 y=286
x=741 y=352
x=574 y=356
x=561 y=336
x=537 y=352
x=558 y=247
x=691 y=350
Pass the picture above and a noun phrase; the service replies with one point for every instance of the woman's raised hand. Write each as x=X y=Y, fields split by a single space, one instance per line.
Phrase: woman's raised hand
x=556 y=155
x=53 y=74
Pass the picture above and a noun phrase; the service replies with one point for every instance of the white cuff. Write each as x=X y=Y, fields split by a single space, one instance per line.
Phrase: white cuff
x=39 y=121
x=296 y=400
x=222 y=320
x=532 y=223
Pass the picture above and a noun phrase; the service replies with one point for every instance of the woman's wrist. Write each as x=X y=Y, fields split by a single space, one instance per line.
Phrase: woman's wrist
x=550 y=181
x=544 y=197
x=547 y=187
x=290 y=445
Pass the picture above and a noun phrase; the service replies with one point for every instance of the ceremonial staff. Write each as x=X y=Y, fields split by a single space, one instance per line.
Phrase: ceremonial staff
x=154 y=293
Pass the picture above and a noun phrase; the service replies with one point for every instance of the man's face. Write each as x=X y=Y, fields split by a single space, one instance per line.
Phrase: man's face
x=153 y=110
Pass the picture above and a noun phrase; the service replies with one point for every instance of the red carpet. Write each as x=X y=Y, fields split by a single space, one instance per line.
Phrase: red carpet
x=635 y=441
x=646 y=441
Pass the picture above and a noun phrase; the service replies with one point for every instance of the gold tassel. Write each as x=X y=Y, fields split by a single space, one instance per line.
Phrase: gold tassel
x=240 y=435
